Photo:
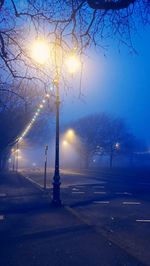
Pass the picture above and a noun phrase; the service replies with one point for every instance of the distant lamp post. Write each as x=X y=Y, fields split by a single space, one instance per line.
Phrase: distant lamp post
x=114 y=148
x=45 y=166
x=17 y=157
x=41 y=53
x=117 y=146
x=13 y=159
x=70 y=134
x=72 y=138
x=65 y=143
x=72 y=64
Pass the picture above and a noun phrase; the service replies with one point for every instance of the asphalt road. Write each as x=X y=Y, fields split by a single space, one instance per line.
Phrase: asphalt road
x=106 y=220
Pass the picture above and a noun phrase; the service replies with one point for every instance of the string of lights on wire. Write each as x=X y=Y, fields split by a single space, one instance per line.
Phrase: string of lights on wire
x=32 y=121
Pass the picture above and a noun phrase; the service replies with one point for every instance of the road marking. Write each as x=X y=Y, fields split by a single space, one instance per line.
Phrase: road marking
x=101 y=202
x=33 y=181
x=2 y=217
x=99 y=192
x=78 y=192
x=146 y=184
x=2 y=194
x=123 y=193
x=75 y=189
x=131 y=203
x=97 y=187
x=142 y=221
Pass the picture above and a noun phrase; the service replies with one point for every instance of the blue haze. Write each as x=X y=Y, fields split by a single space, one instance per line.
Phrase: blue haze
x=118 y=83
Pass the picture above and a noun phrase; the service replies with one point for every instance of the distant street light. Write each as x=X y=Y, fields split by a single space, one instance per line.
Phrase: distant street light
x=70 y=134
x=72 y=63
x=15 y=158
x=41 y=53
x=117 y=146
x=72 y=138
x=65 y=143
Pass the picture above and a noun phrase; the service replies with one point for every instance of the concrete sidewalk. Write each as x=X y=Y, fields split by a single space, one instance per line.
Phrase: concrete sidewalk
x=56 y=237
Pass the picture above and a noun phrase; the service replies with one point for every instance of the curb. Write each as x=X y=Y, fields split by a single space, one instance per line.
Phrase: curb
x=34 y=183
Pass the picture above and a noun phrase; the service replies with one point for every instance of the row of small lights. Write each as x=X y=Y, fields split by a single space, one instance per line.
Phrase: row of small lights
x=37 y=112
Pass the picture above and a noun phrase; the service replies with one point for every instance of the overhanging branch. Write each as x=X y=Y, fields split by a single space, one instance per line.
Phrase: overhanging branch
x=109 y=4
x=18 y=95
x=1 y=3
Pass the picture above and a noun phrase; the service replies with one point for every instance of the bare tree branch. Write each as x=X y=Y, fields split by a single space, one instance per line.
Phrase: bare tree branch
x=1 y=3
x=110 y=4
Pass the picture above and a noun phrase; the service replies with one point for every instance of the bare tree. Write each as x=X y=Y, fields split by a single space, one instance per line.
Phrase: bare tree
x=78 y=23
x=87 y=129
x=117 y=135
x=17 y=106
x=13 y=116
x=103 y=133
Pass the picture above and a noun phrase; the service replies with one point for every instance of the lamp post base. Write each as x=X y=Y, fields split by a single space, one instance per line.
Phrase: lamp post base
x=56 y=201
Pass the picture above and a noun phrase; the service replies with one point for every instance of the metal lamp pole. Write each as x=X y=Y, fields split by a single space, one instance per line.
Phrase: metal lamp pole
x=56 y=179
x=45 y=166
x=17 y=157
x=13 y=161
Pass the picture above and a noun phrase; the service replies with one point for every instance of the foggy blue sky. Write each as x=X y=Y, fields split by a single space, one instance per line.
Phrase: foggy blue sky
x=118 y=83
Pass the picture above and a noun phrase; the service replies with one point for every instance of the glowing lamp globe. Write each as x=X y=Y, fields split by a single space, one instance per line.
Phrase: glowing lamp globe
x=40 y=52
x=73 y=64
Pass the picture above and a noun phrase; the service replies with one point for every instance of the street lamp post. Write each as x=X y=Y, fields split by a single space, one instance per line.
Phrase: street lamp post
x=13 y=165
x=56 y=179
x=40 y=53
x=17 y=156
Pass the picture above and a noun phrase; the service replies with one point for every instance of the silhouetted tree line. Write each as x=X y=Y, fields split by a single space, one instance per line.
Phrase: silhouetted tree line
x=102 y=134
x=14 y=114
x=18 y=104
